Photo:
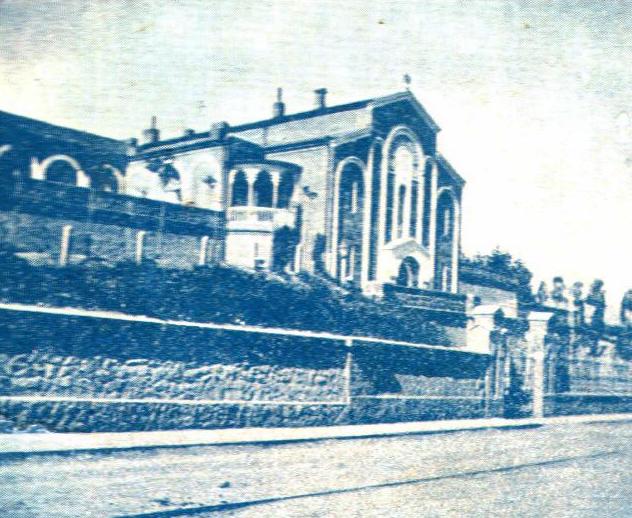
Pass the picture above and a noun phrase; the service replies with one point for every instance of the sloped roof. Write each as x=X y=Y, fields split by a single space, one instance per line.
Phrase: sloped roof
x=46 y=131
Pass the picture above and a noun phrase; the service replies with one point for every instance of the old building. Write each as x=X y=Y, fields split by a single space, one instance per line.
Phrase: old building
x=357 y=192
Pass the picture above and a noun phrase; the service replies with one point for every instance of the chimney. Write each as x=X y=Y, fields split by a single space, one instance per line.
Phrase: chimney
x=278 y=108
x=152 y=134
x=320 y=99
x=188 y=132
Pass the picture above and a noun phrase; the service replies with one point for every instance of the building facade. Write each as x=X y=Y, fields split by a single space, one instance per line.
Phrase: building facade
x=357 y=192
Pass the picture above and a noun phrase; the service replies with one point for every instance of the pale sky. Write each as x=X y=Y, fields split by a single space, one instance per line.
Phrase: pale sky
x=534 y=97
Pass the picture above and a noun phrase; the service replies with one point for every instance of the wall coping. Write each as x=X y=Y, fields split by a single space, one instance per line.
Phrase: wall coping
x=111 y=315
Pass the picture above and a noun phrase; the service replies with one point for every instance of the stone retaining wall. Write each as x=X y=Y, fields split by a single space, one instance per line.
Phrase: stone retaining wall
x=86 y=373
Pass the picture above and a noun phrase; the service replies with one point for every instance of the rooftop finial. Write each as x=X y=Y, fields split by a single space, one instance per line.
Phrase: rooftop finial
x=407 y=81
x=279 y=95
x=154 y=122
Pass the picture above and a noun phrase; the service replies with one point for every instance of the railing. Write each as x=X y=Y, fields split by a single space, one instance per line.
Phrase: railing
x=266 y=218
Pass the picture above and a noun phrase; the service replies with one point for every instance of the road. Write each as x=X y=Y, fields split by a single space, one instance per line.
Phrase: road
x=567 y=470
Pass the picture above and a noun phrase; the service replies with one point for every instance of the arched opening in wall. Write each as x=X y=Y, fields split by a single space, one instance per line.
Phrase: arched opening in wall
x=61 y=171
x=401 y=203
x=104 y=179
x=263 y=188
x=402 y=187
x=427 y=188
x=408 y=274
x=375 y=208
x=444 y=241
x=286 y=188
x=239 y=195
x=350 y=221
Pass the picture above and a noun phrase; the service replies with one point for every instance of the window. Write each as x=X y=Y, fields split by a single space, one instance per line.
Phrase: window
x=390 y=191
x=414 y=213
x=400 y=211
x=263 y=190
x=240 y=190
x=447 y=222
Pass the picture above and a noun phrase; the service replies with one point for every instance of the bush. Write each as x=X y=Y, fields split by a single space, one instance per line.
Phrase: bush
x=218 y=294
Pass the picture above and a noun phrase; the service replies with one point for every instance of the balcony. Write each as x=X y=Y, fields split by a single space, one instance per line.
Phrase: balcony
x=259 y=219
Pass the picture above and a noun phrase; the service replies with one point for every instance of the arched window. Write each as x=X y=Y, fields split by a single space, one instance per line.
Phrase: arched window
x=402 y=214
x=263 y=190
x=414 y=211
x=286 y=186
x=390 y=193
x=445 y=239
x=240 y=190
x=425 y=227
x=350 y=222
x=61 y=171
x=400 y=210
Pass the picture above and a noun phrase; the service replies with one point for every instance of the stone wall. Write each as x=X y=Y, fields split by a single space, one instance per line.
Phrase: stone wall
x=72 y=370
x=104 y=226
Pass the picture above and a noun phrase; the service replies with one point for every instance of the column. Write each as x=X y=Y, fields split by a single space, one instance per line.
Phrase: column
x=140 y=245
x=64 y=247
x=538 y=324
x=456 y=238
x=433 y=212
x=203 y=250
x=251 y=176
x=420 y=205
x=276 y=180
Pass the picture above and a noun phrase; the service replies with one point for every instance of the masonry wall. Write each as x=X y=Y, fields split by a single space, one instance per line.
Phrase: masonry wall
x=87 y=373
x=104 y=227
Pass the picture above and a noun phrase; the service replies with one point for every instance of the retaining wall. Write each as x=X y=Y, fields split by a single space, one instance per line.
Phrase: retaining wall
x=72 y=370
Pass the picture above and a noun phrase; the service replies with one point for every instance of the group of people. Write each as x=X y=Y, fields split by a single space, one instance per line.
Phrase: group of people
x=590 y=308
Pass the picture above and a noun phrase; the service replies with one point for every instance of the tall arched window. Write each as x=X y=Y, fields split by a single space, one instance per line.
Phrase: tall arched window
x=402 y=213
x=240 y=190
x=61 y=171
x=263 y=190
x=350 y=222
x=414 y=210
x=400 y=210
x=445 y=238
x=390 y=194
x=425 y=227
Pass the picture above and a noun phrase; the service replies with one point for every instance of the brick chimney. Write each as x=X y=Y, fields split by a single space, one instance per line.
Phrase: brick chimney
x=320 y=98
x=278 y=108
x=152 y=134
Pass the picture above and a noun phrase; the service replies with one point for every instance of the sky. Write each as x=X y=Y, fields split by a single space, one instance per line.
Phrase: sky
x=534 y=97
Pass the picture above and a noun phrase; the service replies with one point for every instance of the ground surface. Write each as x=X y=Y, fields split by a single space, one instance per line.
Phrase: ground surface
x=568 y=470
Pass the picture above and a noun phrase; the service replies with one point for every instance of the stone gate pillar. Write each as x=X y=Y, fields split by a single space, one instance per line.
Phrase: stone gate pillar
x=538 y=328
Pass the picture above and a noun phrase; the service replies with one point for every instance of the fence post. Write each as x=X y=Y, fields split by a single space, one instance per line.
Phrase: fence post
x=538 y=328
x=479 y=337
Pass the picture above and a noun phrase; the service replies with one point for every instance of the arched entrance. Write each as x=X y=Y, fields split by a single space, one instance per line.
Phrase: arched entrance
x=408 y=273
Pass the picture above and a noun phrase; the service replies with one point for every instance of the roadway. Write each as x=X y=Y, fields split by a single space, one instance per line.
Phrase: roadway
x=578 y=470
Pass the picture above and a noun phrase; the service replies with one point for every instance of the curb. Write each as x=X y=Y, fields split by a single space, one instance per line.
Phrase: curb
x=20 y=446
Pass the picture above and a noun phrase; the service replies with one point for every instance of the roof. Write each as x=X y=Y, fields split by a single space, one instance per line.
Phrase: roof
x=331 y=121
x=357 y=105
x=51 y=131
